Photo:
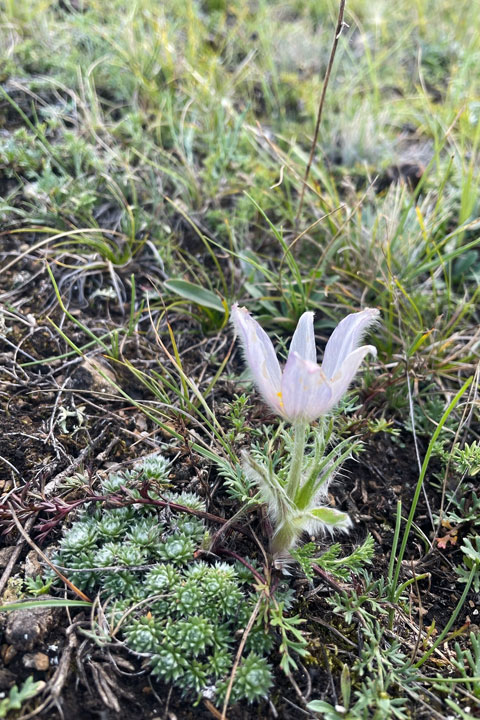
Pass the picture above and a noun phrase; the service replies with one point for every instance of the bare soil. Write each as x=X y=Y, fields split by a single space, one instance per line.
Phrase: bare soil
x=36 y=450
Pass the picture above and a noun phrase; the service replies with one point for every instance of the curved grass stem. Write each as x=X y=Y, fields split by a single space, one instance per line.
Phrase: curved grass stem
x=421 y=478
x=453 y=617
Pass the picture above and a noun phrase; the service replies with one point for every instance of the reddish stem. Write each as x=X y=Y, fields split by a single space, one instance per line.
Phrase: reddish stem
x=236 y=556
x=329 y=579
x=63 y=509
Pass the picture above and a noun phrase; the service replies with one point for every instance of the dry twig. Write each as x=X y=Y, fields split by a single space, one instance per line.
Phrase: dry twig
x=338 y=32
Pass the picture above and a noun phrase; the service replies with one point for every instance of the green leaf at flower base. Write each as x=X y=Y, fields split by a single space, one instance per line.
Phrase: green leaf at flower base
x=197 y=294
x=329 y=516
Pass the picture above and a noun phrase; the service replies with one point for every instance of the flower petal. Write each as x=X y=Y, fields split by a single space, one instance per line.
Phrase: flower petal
x=306 y=392
x=260 y=357
x=348 y=370
x=345 y=338
x=303 y=340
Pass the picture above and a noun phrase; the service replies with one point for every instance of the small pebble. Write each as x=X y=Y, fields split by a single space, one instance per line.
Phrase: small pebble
x=32 y=566
x=26 y=628
x=7 y=653
x=37 y=661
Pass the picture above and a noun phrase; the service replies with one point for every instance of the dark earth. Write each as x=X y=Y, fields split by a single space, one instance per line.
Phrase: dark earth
x=38 y=453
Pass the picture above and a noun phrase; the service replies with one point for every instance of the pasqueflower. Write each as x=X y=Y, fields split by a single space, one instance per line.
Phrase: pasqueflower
x=304 y=390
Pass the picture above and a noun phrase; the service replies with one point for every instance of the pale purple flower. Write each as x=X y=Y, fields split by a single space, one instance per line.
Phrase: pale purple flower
x=304 y=390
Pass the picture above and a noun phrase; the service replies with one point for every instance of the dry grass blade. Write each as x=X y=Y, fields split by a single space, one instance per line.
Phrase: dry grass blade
x=338 y=32
x=16 y=553
x=33 y=545
x=238 y=656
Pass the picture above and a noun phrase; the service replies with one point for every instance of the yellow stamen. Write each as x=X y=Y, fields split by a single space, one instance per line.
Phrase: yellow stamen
x=279 y=395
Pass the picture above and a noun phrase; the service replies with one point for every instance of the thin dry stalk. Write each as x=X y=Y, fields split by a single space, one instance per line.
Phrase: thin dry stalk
x=35 y=547
x=338 y=32
x=246 y=633
x=15 y=555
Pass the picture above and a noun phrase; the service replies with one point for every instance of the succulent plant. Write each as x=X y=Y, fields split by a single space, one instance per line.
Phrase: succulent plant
x=191 y=612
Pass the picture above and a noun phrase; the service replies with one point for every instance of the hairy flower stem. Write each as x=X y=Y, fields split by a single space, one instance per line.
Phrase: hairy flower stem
x=284 y=538
x=287 y=533
x=295 y=474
